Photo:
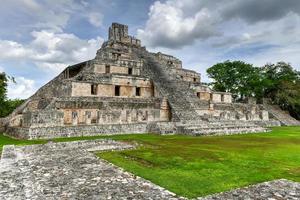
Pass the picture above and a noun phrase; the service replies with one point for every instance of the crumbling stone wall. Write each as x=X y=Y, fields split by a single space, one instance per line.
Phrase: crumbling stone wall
x=119 y=32
x=128 y=88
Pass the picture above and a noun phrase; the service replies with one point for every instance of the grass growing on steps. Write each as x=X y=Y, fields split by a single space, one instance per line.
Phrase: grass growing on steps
x=5 y=140
x=198 y=166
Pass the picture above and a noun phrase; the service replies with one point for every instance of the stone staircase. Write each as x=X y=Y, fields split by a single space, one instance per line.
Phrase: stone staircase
x=184 y=105
x=201 y=128
x=219 y=128
x=180 y=97
x=283 y=116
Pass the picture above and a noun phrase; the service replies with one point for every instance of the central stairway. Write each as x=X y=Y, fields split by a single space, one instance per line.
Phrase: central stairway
x=184 y=105
x=182 y=100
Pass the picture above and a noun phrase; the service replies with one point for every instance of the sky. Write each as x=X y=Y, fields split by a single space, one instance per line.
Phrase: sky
x=39 y=38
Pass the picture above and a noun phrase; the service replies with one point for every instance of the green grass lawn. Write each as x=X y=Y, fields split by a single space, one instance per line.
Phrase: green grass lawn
x=197 y=166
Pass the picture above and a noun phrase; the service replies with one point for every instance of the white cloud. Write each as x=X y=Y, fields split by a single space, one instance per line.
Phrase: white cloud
x=31 y=14
x=31 y=4
x=96 y=19
x=22 y=89
x=28 y=15
x=169 y=26
x=253 y=31
x=11 y=49
x=51 y=50
x=177 y=23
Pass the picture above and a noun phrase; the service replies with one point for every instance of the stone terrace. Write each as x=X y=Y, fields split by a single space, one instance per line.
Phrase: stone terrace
x=272 y=190
x=71 y=171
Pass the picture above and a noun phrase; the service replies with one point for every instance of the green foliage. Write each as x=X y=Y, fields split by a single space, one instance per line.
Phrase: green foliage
x=7 y=105
x=241 y=79
x=279 y=82
x=288 y=97
x=198 y=166
x=283 y=86
x=4 y=140
x=3 y=87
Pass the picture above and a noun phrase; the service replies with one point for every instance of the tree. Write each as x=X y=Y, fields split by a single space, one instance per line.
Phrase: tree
x=283 y=86
x=279 y=82
x=241 y=79
x=277 y=74
x=3 y=87
x=7 y=105
x=3 y=91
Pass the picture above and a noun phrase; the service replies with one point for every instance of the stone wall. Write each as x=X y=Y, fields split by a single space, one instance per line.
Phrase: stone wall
x=16 y=121
x=76 y=131
x=58 y=87
x=119 y=32
x=95 y=116
x=128 y=88
x=3 y=123
x=45 y=118
x=186 y=75
x=237 y=111
x=86 y=110
x=168 y=60
x=104 y=69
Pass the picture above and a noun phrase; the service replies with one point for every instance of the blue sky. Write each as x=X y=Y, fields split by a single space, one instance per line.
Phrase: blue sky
x=39 y=38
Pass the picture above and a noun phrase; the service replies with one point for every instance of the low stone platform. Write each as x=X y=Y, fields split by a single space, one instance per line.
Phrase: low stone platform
x=272 y=190
x=70 y=171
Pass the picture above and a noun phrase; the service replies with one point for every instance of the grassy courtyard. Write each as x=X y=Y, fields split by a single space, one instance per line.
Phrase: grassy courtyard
x=197 y=166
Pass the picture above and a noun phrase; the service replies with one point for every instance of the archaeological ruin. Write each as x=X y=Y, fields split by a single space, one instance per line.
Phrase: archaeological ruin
x=127 y=89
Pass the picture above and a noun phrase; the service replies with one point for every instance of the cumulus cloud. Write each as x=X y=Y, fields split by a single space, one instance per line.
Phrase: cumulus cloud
x=11 y=49
x=51 y=50
x=29 y=14
x=23 y=16
x=177 y=23
x=168 y=25
x=22 y=89
x=95 y=19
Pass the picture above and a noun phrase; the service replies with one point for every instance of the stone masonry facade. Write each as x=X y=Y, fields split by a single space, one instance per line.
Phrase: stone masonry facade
x=127 y=89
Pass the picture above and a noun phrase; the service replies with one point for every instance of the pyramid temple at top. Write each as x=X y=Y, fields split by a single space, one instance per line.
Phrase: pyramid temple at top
x=127 y=89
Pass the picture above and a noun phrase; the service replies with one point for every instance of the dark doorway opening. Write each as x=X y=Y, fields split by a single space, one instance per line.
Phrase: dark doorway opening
x=107 y=69
x=94 y=89
x=117 y=90
x=130 y=71
x=138 y=91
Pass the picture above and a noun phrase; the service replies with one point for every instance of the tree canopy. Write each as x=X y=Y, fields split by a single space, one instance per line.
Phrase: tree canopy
x=240 y=78
x=7 y=105
x=279 y=82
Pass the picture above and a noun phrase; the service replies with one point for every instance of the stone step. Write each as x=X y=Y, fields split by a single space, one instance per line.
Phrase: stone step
x=180 y=97
x=227 y=132
x=283 y=116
